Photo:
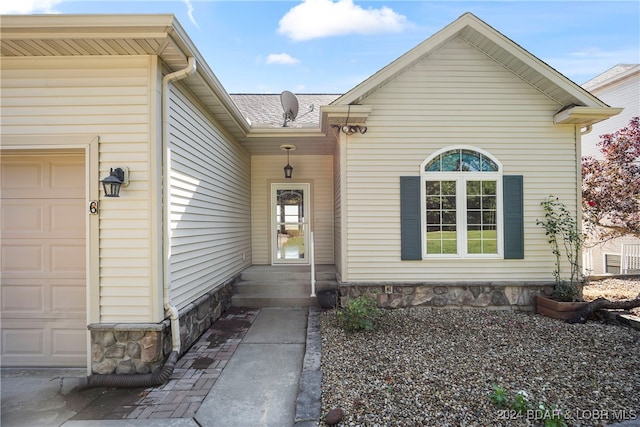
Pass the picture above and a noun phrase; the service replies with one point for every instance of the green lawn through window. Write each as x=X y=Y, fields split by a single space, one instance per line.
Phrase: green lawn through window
x=478 y=242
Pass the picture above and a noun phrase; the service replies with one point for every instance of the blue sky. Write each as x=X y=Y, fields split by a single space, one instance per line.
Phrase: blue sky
x=329 y=46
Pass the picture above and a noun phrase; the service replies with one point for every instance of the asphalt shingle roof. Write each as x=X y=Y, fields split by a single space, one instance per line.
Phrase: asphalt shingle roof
x=265 y=110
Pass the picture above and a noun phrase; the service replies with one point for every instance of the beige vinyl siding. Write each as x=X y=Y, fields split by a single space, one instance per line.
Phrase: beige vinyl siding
x=317 y=170
x=108 y=97
x=456 y=96
x=210 y=203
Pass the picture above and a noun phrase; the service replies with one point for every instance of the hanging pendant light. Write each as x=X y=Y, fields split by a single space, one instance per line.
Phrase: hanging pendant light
x=288 y=169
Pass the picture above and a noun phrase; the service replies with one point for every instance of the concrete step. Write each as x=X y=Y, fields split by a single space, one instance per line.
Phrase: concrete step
x=284 y=288
x=281 y=286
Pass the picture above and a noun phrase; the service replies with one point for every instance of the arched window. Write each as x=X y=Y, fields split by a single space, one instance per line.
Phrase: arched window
x=462 y=204
x=461 y=160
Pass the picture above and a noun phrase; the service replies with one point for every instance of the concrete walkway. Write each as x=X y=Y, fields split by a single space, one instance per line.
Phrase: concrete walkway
x=254 y=367
x=259 y=385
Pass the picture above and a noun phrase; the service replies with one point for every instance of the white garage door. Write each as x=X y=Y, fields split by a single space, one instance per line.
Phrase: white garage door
x=42 y=246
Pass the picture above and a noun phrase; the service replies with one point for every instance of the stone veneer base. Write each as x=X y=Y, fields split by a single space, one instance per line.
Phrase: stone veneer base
x=518 y=295
x=141 y=348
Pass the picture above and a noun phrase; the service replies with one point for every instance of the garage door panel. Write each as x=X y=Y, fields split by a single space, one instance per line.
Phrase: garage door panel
x=49 y=218
x=23 y=340
x=64 y=177
x=22 y=298
x=22 y=218
x=43 y=225
x=68 y=342
x=20 y=257
x=44 y=299
x=67 y=299
x=29 y=343
x=67 y=257
x=22 y=178
x=67 y=219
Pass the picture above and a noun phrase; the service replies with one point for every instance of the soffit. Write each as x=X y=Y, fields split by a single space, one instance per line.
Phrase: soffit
x=85 y=35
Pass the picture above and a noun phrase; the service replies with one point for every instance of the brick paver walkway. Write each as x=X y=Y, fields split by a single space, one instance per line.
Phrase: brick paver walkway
x=192 y=379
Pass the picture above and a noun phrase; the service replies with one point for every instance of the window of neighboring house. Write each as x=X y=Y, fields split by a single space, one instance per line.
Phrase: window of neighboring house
x=462 y=204
x=612 y=263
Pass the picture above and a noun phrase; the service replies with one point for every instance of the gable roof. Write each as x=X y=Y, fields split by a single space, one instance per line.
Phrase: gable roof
x=577 y=104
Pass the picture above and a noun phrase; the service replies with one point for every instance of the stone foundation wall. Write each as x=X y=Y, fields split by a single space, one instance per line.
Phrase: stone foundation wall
x=141 y=348
x=495 y=295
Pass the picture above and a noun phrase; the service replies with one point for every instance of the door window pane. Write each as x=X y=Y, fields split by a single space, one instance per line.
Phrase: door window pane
x=290 y=224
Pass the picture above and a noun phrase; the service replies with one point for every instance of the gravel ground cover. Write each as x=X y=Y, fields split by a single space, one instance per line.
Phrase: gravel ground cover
x=437 y=367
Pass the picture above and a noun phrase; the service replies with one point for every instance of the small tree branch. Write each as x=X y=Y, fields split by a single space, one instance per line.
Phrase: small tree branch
x=601 y=303
x=615 y=230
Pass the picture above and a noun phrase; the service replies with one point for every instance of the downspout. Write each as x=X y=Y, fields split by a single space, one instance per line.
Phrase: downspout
x=162 y=375
x=166 y=211
x=586 y=130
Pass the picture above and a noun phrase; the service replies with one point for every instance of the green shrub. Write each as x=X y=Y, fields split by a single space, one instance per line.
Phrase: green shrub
x=499 y=396
x=359 y=314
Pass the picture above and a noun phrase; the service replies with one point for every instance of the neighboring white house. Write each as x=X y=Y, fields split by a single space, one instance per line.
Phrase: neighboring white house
x=619 y=86
x=423 y=182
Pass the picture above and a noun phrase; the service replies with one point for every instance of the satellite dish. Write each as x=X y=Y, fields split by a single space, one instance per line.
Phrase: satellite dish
x=289 y=105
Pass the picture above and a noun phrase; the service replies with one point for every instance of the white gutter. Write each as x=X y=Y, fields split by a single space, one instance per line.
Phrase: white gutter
x=171 y=310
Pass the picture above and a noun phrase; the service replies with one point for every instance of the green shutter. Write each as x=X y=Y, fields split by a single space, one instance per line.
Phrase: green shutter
x=513 y=216
x=411 y=242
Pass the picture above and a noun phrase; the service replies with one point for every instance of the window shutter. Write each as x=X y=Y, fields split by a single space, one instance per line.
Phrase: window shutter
x=513 y=216
x=411 y=241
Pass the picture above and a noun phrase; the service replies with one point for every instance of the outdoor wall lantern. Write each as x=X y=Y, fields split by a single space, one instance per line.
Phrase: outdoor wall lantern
x=288 y=169
x=111 y=184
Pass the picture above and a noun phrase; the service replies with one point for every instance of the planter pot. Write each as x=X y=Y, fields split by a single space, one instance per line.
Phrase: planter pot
x=557 y=309
x=327 y=298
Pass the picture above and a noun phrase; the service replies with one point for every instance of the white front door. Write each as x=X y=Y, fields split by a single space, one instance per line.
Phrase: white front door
x=290 y=223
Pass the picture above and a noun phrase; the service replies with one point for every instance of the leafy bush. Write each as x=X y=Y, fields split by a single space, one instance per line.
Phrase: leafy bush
x=359 y=314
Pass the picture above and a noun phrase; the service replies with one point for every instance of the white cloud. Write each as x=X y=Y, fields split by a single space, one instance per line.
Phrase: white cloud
x=313 y=19
x=28 y=6
x=190 y=10
x=281 y=58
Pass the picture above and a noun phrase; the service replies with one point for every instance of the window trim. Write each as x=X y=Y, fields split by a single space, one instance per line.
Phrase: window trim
x=461 y=178
x=605 y=265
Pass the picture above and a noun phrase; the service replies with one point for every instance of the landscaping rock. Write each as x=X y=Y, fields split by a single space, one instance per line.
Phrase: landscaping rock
x=436 y=367
x=334 y=416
